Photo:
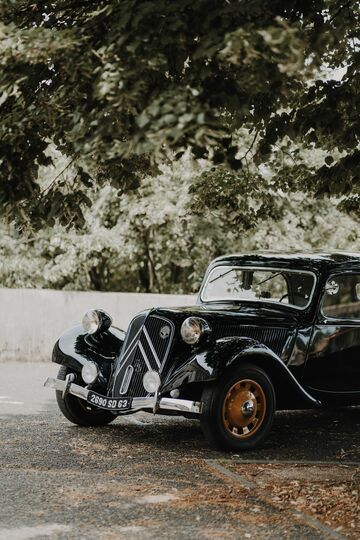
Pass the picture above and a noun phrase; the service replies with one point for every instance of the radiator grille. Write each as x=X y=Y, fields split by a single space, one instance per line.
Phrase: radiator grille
x=147 y=346
x=274 y=338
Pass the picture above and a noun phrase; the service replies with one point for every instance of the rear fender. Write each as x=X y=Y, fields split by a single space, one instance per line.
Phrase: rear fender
x=227 y=353
x=75 y=347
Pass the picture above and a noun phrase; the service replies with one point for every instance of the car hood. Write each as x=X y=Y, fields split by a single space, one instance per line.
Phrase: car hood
x=241 y=313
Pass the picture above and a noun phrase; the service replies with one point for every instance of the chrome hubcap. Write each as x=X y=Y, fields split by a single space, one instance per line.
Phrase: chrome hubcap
x=248 y=408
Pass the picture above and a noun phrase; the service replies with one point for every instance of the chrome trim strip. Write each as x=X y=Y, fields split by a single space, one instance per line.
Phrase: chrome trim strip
x=180 y=405
x=75 y=389
x=151 y=347
x=133 y=345
x=130 y=348
x=168 y=404
x=171 y=338
x=57 y=384
x=137 y=343
x=145 y=358
x=126 y=380
x=145 y=403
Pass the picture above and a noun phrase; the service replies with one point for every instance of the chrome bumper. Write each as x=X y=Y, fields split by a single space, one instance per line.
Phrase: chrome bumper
x=138 y=404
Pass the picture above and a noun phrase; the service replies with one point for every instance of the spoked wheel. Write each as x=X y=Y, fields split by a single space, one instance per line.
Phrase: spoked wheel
x=238 y=410
x=78 y=411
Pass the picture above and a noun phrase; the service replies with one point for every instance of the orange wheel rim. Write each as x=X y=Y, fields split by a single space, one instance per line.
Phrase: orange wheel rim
x=244 y=409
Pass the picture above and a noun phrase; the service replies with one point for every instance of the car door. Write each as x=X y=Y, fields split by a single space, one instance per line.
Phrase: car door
x=333 y=363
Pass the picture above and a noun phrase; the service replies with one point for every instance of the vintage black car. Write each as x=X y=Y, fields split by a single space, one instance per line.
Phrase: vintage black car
x=268 y=332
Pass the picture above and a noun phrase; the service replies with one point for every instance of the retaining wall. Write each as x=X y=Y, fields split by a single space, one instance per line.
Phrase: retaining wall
x=32 y=319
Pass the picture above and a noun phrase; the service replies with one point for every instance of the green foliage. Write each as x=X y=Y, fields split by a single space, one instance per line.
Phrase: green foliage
x=150 y=240
x=116 y=85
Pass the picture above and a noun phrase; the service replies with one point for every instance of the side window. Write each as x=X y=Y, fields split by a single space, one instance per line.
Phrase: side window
x=342 y=297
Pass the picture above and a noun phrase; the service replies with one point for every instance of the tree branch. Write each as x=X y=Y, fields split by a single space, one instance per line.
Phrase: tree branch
x=58 y=176
x=347 y=4
x=251 y=145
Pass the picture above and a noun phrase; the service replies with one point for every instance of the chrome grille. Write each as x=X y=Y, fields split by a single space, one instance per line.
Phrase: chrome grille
x=147 y=346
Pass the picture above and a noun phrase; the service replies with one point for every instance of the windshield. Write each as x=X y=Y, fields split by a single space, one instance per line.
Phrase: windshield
x=234 y=283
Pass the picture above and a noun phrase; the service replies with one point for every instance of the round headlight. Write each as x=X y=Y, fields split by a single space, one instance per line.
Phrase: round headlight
x=151 y=381
x=96 y=320
x=91 y=321
x=89 y=372
x=192 y=329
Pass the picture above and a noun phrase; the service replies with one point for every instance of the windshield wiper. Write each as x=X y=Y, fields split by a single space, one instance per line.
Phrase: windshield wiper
x=271 y=277
x=221 y=275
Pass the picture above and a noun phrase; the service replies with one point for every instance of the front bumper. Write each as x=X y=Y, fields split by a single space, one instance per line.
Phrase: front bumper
x=153 y=403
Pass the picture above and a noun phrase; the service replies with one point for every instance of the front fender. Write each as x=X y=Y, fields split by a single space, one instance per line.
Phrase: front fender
x=75 y=347
x=210 y=364
x=207 y=364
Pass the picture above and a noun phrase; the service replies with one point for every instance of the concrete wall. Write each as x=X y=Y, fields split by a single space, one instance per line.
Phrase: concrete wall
x=31 y=320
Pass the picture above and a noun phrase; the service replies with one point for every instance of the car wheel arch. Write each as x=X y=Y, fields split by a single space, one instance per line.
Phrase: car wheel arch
x=289 y=392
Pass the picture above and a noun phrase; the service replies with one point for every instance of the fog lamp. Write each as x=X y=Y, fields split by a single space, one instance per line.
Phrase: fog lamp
x=89 y=372
x=151 y=381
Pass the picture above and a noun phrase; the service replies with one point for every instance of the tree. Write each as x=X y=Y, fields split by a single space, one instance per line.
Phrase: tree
x=117 y=84
x=150 y=240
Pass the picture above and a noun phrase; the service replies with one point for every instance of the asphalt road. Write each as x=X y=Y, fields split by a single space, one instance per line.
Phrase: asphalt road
x=146 y=477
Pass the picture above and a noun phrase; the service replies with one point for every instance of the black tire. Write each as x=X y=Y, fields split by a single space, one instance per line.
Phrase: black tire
x=77 y=410
x=224 y=409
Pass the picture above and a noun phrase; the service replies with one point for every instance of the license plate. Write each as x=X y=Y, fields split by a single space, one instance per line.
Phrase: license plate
x=112 y=404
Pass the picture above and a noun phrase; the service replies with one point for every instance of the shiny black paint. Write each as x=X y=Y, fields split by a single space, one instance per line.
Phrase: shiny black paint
x=206 y=362
x=332 y=368
x=307 y=357
x=232 y=321
x=74 y=348
x=333 y=346
x=211 y=364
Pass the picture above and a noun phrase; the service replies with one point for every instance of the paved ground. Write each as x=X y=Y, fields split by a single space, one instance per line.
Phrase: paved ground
x=145 y=477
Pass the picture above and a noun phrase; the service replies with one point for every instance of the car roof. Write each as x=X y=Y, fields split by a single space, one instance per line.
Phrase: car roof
x=312 y=260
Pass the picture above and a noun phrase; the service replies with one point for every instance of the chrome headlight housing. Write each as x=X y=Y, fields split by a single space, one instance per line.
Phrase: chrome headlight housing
x=96 y=320
x=193 y=329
